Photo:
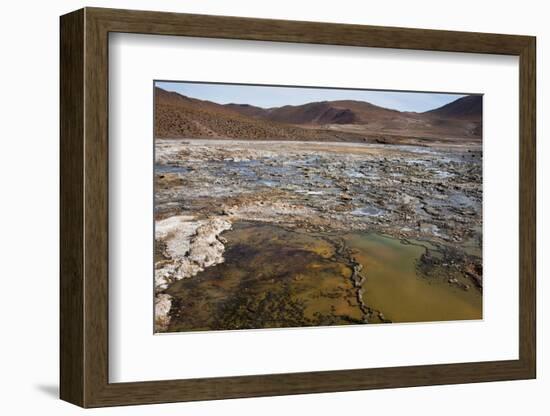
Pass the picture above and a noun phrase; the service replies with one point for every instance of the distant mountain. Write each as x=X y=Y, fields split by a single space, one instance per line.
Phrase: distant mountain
x=319 y=113
x=179 y=116
x=248 y=110
x=465 y=108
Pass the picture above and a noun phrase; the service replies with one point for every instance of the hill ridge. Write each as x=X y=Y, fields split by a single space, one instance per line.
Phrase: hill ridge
x=177 y=115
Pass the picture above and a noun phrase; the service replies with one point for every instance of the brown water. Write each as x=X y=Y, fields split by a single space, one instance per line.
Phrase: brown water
x=394 y=287
x=276 y=277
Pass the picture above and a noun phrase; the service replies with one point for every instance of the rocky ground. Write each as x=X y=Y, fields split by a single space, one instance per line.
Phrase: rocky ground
x=413 y=193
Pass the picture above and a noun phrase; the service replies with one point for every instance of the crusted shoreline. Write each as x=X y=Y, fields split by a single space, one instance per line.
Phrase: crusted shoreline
x=189 y=246
x=430 y=194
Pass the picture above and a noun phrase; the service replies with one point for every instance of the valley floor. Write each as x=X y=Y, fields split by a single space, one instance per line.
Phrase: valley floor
x=263 y=234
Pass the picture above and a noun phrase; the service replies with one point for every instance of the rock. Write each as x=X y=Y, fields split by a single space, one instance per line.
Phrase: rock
x=205 y=249
x=428 y=228
x=176 y=232
x=163 y=303
x=190 y=245
x=345 y=197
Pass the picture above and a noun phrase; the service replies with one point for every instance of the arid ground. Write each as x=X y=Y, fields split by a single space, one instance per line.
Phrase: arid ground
x=278 y=234
x=327 y=213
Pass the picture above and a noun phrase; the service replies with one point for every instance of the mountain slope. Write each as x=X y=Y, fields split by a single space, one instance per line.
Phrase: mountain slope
x=179 y=116
x=319 y=113
x=465 y=108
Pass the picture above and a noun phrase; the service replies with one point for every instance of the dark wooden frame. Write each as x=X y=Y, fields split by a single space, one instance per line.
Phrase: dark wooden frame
x=84 y=208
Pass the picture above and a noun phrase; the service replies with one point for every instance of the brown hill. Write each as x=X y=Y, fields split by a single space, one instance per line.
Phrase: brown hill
x=248 y=110
x=464 y=113
x=465 y=108
x=320 y=113
x=180 y=116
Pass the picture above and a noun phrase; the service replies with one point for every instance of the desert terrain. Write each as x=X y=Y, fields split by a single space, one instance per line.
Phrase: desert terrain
x=178 y=116
x=338 y=213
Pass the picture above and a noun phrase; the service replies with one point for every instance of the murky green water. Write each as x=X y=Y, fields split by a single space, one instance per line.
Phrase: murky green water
x=394 y=287
x=275 y=277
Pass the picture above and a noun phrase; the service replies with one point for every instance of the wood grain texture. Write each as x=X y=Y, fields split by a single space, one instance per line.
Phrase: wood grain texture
x=162 y=23
x=527 y=208
x=96 y=208
x=71 y=100
x=84 y=205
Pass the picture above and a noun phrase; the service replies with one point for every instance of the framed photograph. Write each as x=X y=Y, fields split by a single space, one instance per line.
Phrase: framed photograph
x=260 y=207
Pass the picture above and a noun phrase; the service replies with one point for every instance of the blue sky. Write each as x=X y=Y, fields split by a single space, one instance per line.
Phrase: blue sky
x=266 y=97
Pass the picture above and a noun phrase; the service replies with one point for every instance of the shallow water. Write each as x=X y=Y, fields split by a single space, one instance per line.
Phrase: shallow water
x=271 y=278
x=276 y=277
x=394 y=287
x=421 y=191
x=369 y=211
x=170 y=169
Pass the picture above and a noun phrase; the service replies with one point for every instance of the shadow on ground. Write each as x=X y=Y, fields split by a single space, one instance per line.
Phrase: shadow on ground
x=51 y=390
